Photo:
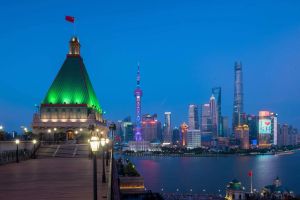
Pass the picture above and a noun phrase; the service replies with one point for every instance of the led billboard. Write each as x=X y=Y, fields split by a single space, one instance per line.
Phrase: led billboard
x=264 y=126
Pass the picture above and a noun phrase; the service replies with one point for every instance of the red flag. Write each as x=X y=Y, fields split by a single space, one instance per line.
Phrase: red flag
x=70 y=19
x=250 y=173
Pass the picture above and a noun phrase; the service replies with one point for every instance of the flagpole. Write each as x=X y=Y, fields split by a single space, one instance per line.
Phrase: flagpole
x=251 y=189
x=74 y=28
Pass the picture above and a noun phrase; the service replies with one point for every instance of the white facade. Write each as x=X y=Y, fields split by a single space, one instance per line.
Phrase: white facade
x=167 y=131
x=275 y=130
x=139 y=146
x=193 y=117
x=193 y=139
x=205 y=122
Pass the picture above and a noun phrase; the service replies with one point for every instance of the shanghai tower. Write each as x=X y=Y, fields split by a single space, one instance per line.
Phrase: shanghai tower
x=238 y=102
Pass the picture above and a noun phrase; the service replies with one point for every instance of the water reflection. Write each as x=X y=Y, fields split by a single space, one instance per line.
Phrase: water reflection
x=211 y=174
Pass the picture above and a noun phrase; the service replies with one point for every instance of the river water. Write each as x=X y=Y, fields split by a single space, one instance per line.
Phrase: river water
x=211 y=174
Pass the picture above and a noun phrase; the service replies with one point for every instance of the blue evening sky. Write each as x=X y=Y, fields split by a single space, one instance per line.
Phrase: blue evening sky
x=184 y=47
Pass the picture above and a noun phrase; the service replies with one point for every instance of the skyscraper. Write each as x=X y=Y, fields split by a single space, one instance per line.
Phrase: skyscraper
x=193 y=139
x=138 y=93
x=238 y=103
x=167 y=128
x=241 y=133
x=252 y=122
x=213 y=115
x=176 y=136
x=127 y=130
x=184 y=129
x=150 y=127
x=205 y=120
x=193 y=117
x=225 y=132
x=217 y=92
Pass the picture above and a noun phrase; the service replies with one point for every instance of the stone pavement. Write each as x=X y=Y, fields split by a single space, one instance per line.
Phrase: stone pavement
x=51 y=178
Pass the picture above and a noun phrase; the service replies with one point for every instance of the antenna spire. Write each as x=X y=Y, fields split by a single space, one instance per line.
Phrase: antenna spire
x=138 y=77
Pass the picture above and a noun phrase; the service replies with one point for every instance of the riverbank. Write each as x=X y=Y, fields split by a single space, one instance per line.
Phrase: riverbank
x=167 y=154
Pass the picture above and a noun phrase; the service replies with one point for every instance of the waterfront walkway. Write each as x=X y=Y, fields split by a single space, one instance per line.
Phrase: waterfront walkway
x=51 y=178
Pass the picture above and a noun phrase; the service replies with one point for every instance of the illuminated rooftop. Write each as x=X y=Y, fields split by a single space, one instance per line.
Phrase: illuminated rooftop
x=72 y=84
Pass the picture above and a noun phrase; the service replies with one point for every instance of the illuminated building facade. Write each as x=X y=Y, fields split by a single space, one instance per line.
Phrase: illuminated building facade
x=268 y=129
x=214 y=115
x=193 y=117
x=127 y=130
x=238 y=104
x=193 y=139
x=241 y=133
x=167 y=129
x=235 y=191
x=217 y=92
x=252 y=122
x=150 y=127
x=183 y=130
x=287 y=135
x=176 y=136
x=138 y=93
x=70 y=106
x=205 y=119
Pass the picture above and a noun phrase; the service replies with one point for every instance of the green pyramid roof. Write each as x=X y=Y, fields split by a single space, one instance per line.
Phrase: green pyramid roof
x=72 y=85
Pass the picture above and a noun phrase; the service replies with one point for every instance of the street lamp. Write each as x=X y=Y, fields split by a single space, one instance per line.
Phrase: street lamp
x=95 y=143
x=34 y=142
x=103 y=142
x=17 y=152
x=112 y=127
x=107 y=155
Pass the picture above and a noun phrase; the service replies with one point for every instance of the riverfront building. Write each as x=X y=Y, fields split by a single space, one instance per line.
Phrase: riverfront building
x=167 y=130
x=183 y=130
x=193 y=117
x=193 y=139
x=214 y=116
x=268 y=129
x=238 y=103
x=217 y=92
x=241 y=133
x=205 y=119
x=150 y=127
x=70 y=107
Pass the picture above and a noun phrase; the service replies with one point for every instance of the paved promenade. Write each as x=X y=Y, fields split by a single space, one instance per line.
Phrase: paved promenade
x=51 y=178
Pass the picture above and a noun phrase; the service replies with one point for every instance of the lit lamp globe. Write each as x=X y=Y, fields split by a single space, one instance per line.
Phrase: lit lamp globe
x=17 y=141
x=34 y=141
x=95 y=143
x=103 y=142
x=106 y=140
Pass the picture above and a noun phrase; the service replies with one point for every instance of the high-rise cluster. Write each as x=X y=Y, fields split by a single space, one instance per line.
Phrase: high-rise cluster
x=206 y=126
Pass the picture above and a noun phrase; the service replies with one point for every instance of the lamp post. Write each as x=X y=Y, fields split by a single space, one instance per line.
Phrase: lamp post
x=94 y=143
x=34 y=142
x=107 y=155
x=17 y=151
x=102 y=142
x=112 y=127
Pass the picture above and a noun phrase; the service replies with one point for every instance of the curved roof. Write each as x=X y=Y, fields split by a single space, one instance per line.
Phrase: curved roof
x=235 y=185
x=72 y=85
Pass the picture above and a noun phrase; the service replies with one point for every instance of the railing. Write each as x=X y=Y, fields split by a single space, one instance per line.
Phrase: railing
x=11 y=156
x=115 y=188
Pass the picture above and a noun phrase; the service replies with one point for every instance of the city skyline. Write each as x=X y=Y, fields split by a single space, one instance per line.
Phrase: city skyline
x=165 y=77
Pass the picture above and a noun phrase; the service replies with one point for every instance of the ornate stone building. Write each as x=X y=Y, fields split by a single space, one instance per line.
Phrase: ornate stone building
x=70 y=108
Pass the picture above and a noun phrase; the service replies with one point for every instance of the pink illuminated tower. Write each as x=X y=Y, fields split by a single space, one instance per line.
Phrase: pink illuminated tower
x=138 y=93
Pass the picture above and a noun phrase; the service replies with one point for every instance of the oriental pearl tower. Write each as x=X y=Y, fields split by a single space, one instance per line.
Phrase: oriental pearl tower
x=138 y=93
